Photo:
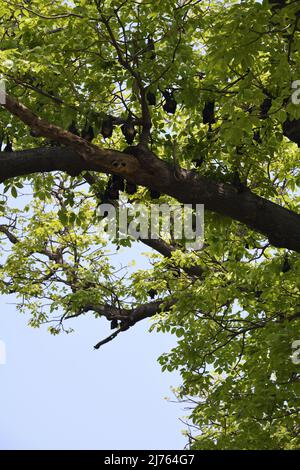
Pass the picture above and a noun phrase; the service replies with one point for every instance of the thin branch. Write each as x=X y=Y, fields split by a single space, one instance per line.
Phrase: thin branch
x=108 y=339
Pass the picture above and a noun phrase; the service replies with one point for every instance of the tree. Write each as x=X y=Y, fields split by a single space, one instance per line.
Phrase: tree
x=189 y=101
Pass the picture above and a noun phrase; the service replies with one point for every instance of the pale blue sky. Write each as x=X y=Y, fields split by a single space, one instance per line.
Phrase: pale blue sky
x=58 y=393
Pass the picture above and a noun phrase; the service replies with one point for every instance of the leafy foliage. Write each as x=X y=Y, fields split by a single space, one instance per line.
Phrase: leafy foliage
x=83 y=61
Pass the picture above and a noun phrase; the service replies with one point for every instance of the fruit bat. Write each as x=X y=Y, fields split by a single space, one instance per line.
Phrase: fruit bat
x=208 y=113
x=107 y=128
x=151 y=48
x=112 y=192
x=286 y=265
x=118 y=183
x=198 y=161
x=88 y=133
x=151 y=98
x=131 y=188
x=236 y=181
x=265 y=107
x=152 y=293
x=128 y=130
x=8 y=147
x=72 y=128
x=154 y=194
x=114 y=324
x=170 y=104
x=257 y=137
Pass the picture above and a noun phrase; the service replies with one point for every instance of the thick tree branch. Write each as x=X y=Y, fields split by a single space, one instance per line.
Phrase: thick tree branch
x=106 y=160
x=131 y=317
x=281 y=226
x=127 y=317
